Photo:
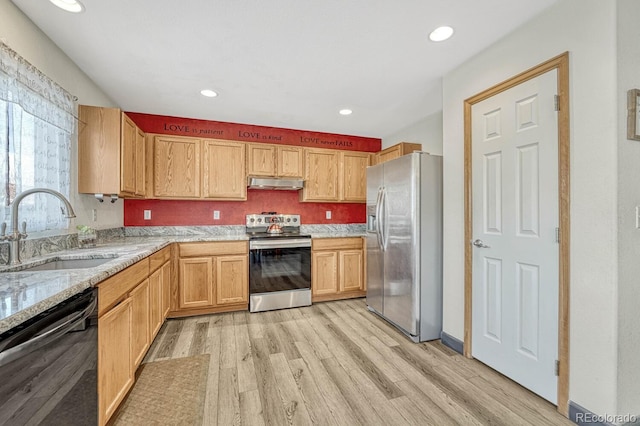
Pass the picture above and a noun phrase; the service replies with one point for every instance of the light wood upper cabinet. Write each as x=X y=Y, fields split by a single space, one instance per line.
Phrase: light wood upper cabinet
x=176 y=167
x=140 y=163
x=232 y=284
x=128 y=153
x=289 y=161
x=321 y=175
x=396 y=151
x=261 y=159
x=109 y=157
x=224 y=174
x=335 y=176
x=274 y=160
x=353 y=182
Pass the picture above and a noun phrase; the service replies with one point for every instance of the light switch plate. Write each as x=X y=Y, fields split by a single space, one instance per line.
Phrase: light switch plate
x=216 y=215
x=147 y=215
x=328 y=214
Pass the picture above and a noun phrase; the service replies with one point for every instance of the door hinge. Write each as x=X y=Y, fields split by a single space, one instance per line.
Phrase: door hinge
x=557 y=235
x=556 y=102
x=557 y=368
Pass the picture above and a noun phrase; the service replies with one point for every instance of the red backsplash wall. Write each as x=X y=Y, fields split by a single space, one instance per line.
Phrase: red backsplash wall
x=178 y=212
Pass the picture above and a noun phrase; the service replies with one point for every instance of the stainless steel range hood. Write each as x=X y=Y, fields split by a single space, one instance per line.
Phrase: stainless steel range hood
x=290 y=184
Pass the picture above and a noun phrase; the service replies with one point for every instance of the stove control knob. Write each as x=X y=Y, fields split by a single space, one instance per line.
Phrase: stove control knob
x=288 y=219
x=295 y=219
x=259 y=219
x=252 y=220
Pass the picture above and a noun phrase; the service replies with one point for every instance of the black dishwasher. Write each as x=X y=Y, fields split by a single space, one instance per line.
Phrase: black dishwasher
x=48 y=366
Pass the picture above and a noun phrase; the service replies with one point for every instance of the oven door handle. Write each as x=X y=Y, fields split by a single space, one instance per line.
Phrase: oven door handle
x=283 y=243
x=44 y=339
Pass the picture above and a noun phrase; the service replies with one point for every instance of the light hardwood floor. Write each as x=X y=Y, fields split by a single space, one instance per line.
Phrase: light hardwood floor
x=335 y=363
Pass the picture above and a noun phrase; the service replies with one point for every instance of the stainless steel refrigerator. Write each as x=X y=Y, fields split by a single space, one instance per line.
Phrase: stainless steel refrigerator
x=404 y=244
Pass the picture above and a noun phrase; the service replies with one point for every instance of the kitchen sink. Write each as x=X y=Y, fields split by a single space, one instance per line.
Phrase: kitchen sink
x=55 y=264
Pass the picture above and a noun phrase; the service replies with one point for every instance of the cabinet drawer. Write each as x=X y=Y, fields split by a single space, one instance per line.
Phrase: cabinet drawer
x=158 y=258
x=336 y=243
x=116 y=288
x=217 y=248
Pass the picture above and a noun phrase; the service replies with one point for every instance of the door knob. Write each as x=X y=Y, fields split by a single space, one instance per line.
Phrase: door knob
x=479 y=243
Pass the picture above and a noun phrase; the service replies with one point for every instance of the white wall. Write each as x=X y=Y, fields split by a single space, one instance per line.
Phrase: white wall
x=427 y=131
x=628 y=199
x=19 y=33
x=585 y=28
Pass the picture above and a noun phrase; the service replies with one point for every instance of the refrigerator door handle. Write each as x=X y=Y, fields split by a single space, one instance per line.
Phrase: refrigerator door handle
x=379 y=218
x=384 y=231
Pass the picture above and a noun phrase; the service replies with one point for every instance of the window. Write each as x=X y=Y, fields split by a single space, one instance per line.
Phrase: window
x=36 y=125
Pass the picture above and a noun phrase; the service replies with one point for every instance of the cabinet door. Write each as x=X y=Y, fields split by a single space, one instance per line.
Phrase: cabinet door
x=176 y=167
x=155 y=303
x=261 y=160
x=321 y=175
x=115 y=366
x=128 y=155
x=232 y=283
x=290 y=160
x=139 y=322
x=324 y=273
x=196 y=282
x=388 y=154
x=351 y=270
x=224 y=170
x=140 y=163
x=354 y=176
x=166 y=289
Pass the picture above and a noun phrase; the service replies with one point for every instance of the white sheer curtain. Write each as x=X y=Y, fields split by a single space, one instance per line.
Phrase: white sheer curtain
x=37 y=121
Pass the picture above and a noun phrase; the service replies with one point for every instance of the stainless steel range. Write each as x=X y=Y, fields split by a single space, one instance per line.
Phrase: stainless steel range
x=279 y=262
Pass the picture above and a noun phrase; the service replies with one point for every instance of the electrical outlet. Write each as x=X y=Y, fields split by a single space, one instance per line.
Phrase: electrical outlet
x=328 y=214
x=216 y=215
x=147 y=215
x=94 y=215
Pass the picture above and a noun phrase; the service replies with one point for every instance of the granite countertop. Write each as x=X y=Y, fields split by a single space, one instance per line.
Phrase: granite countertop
x=25 y=294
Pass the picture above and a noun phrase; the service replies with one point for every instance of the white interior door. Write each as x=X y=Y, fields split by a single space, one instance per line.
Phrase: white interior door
x=515 y=216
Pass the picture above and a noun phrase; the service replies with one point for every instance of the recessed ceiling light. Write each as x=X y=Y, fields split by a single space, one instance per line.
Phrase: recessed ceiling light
x=345 y=111
x=73 y=6
x=441 y=33
x=208 y=93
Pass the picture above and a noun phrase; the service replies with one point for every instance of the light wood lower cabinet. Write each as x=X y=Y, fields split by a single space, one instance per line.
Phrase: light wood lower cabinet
x=324 y=278
x=156 y=314
x=115 y=371
x=232 y=280
x=140 y=310
x=166 y=289
x=213 y=277
x=196 y=282
x=337 y=268
x=132 y=306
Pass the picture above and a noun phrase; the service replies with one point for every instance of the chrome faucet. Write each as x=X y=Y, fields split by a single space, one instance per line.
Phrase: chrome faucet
x=15 y=236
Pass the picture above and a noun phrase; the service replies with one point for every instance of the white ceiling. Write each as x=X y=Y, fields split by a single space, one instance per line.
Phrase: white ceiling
x=281 y=63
